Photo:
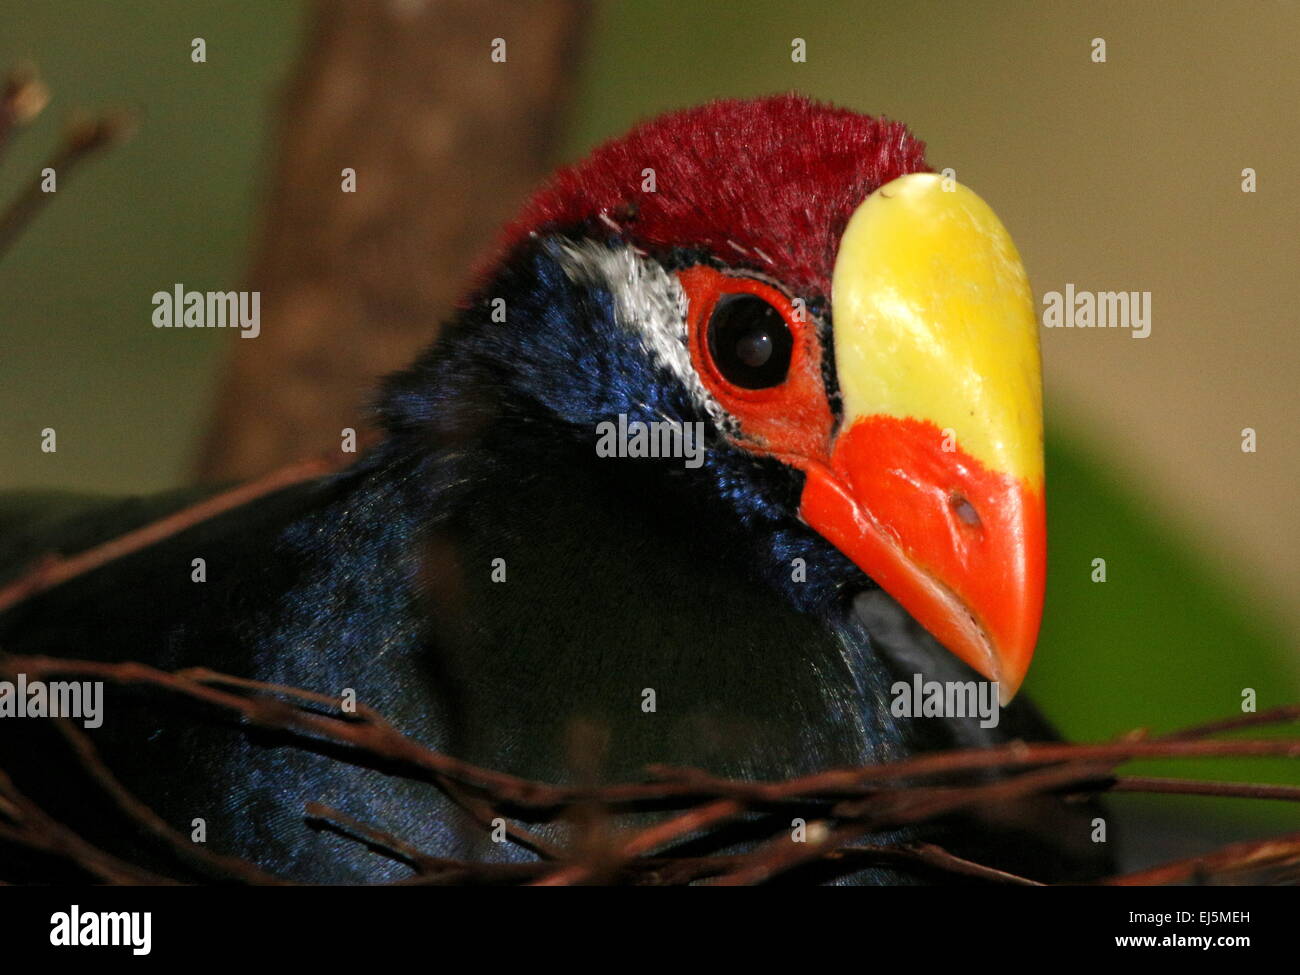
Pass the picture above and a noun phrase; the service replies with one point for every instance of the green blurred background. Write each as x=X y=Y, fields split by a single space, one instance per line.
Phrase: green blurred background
x=1115 y=176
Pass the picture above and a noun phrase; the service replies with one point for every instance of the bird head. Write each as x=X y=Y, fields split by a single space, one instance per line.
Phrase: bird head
x=855 y=333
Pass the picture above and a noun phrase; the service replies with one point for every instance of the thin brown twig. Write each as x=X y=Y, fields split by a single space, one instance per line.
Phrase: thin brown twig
x=381 y=840
x=33 y=828
x=486 y=816
x=83 y=138
x=646 y=841
x=937 y=856
x=1280 y=853
x=1279 y=715
x=140 y=813
x=1194 y=787
x=898 y=808
x=781 y=854
x=55 y=570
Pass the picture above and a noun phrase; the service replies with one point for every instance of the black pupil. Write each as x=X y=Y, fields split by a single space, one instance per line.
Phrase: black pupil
x=749 y=342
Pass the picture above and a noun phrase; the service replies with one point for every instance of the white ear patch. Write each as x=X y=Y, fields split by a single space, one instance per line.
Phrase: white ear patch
x=649 y=303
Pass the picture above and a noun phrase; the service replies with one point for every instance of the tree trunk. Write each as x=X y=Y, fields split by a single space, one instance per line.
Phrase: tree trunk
x=445 y=143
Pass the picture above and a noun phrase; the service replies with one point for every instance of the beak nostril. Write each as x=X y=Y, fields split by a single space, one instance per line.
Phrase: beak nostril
x=965 y=510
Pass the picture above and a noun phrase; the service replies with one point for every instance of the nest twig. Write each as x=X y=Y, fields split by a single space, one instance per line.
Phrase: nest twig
x=843 y=805
x=23 y=97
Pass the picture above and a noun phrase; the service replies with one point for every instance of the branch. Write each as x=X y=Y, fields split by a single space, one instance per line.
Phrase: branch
x=83 y=138
x=370 y=733
x=54 y=570
x=1280 y=854
x=843 y=806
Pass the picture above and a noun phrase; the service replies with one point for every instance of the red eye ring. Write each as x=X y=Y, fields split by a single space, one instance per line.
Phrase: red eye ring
x=705 y=287
x=790 y=417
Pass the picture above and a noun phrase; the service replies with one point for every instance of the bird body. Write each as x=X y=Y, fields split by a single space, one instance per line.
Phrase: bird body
x=505 y=590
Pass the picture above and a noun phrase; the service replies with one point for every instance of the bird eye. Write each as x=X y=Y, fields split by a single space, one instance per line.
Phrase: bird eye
x=749 y=342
